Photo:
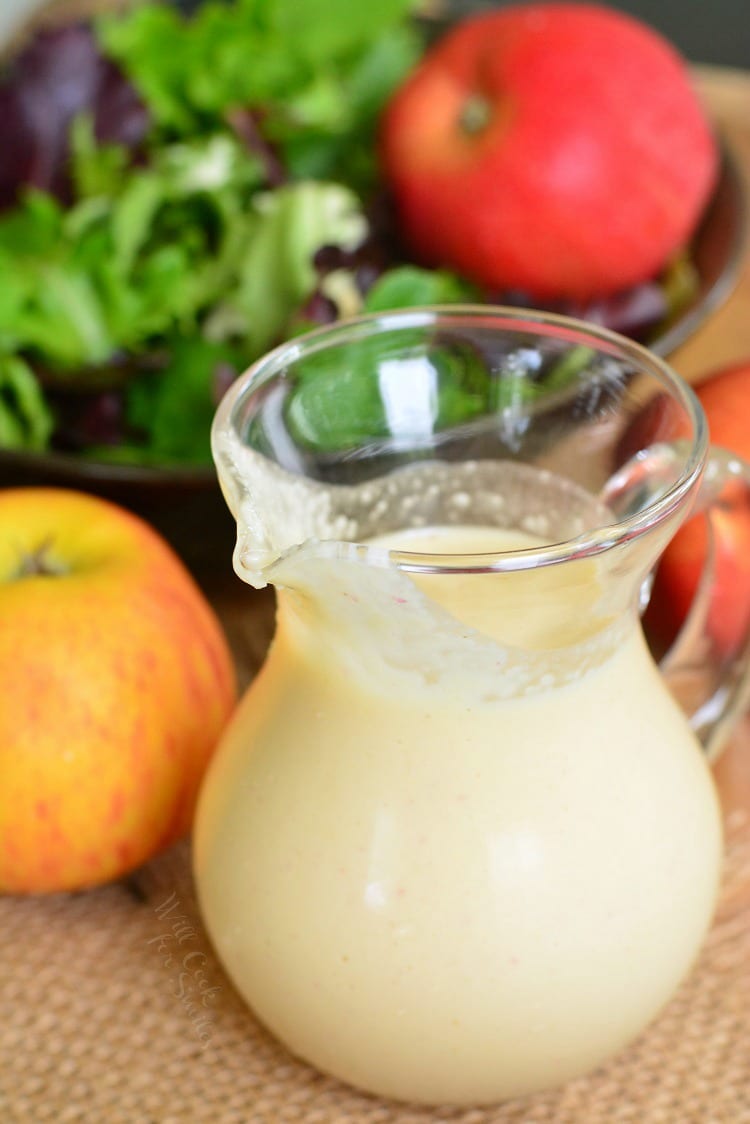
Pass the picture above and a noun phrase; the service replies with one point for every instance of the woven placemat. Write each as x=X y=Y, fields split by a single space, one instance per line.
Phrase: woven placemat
x=113 y=1010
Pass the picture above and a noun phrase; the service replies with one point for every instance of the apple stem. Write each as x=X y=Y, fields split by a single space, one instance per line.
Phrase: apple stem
x=39 y=562
x=476 y=114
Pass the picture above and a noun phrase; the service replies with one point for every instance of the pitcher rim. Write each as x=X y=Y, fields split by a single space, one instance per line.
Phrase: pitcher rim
x=591 y=542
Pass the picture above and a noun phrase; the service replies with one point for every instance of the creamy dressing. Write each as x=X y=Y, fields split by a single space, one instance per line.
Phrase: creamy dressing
x=435 y=888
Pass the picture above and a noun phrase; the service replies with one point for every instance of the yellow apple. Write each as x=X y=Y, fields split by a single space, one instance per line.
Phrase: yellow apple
x=115 y=683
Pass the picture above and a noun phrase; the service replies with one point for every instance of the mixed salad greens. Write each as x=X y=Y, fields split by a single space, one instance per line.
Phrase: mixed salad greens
x=179 y=194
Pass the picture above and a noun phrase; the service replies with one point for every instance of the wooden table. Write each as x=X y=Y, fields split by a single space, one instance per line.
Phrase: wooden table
x=725 y=337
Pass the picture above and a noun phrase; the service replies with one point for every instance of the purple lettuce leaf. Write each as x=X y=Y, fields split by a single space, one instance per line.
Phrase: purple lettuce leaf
x=59 y=75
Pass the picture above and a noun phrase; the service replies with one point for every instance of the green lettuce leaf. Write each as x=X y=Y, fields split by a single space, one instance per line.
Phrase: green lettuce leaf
x=407 y=286
x=318 y=71
x=276 y=273
x=175 y=407
x=25 y=419
x=353 y=396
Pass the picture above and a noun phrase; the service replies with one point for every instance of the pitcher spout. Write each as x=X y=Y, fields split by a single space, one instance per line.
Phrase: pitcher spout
x=277 y=511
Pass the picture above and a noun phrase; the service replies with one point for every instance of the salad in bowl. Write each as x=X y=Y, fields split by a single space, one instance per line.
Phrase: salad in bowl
x=179 y=194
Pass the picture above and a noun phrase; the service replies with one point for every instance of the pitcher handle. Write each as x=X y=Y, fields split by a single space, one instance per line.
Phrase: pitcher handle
x=711 y=685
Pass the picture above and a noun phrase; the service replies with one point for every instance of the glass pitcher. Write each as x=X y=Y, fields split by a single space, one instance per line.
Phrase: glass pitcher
x=460 y=842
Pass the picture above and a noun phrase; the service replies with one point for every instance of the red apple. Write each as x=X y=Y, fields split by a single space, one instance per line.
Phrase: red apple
x=556 y=149
x=725 y=397
x=116 y=683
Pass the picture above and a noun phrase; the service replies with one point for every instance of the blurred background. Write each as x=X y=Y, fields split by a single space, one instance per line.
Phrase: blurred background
x=717 y=32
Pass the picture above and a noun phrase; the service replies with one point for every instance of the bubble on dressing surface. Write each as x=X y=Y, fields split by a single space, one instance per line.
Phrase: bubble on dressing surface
x=278 y=510
x=303 y=535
